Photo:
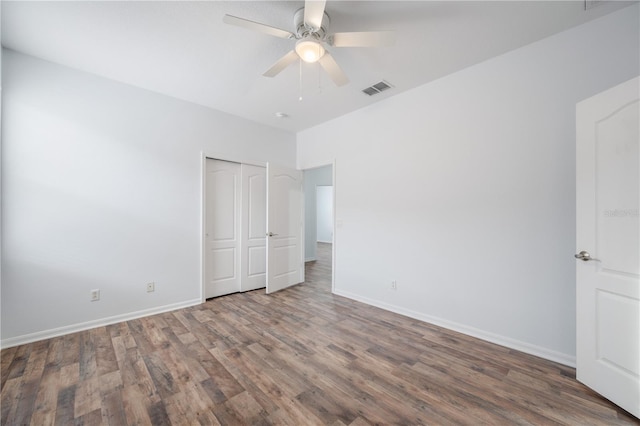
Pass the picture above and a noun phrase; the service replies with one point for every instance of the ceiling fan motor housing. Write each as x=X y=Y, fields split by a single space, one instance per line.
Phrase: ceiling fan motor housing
x=302 y=31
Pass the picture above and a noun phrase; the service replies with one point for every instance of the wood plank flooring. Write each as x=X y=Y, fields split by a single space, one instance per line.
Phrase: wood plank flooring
x=299 y=357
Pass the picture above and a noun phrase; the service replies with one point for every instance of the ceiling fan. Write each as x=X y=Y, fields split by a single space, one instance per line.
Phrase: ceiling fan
x=311 y=23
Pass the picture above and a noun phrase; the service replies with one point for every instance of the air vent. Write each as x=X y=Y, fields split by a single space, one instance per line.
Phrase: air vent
x=377 y=88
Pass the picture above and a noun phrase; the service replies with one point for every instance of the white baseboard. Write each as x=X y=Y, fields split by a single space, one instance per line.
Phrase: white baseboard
x=310 y=259
x=60 y=331
x=528 y=348
x=508 y=342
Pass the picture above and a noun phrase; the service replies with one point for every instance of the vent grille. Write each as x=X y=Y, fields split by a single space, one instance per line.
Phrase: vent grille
x=377 y=88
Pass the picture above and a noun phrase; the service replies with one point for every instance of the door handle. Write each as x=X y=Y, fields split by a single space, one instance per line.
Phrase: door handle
x=271 y=234
x=584 y=256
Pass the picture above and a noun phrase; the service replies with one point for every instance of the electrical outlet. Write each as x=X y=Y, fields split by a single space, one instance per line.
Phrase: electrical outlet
x=95 y=295
x=394 y=285
x=151 y=287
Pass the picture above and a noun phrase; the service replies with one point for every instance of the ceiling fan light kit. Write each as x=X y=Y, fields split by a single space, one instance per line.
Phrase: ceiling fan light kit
x=309 y=50
x=311 y=23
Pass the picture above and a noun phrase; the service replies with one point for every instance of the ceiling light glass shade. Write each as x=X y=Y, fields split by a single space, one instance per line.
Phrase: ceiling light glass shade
x=309 y=50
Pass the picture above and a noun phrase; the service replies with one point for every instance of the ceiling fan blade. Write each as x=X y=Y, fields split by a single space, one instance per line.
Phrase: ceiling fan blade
x=333 y=69
x=256 y=26
x=313 y=13
x=363 y=39
x=282 y=63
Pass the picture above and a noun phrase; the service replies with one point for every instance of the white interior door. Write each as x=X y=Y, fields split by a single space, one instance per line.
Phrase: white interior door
x=285 y=266
x=254 y=223
x=222 y=228
x=608 y=244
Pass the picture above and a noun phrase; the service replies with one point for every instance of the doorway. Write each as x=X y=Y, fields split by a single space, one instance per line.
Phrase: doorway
x=319 y=206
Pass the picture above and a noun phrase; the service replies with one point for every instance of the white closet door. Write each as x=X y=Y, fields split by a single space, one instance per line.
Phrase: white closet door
x=254 y=223
x=222 y=257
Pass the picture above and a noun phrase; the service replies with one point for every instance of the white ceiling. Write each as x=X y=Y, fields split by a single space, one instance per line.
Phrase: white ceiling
x=183 y=49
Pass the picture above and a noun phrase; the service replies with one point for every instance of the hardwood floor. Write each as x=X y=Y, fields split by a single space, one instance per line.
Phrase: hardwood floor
x=299 y=357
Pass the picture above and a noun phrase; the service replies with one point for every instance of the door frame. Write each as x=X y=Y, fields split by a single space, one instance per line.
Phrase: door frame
x=331 y=163
x=203 y=204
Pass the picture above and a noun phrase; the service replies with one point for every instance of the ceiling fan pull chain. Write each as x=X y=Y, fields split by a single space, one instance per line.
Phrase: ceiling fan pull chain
x=300 y=80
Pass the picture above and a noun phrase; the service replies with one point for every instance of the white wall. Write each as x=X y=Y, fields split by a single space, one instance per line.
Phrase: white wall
x=463 y=190
x=312 y=178
x=324 y=214
x=101 y=188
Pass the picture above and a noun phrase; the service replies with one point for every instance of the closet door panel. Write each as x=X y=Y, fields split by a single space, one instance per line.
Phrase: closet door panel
x=254 y=222
x=222 y=224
